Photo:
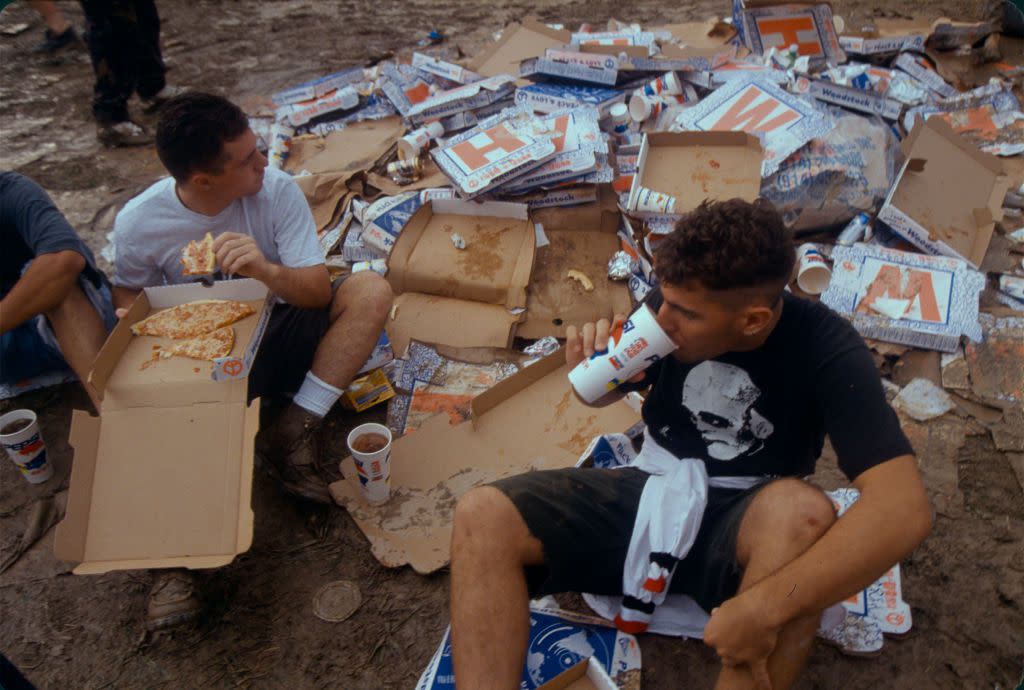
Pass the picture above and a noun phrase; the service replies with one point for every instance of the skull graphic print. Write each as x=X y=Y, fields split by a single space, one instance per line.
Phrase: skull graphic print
x=720 y=399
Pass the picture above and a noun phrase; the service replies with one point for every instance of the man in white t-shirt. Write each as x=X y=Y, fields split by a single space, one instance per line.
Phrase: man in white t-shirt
x=319 y=336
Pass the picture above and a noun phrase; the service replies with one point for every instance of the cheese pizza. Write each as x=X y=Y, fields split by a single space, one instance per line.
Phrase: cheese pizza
x=209 y=346
x=193 y=319
x=198 y=258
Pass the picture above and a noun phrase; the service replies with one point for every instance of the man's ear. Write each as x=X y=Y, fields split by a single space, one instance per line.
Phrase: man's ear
x=200 y=181
x=755 y=318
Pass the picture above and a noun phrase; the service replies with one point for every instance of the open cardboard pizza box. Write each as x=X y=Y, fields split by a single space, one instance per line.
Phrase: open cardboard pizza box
x=163 y=477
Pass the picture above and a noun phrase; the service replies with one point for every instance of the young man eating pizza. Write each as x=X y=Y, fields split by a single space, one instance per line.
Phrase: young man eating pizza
x=759 y=378
x=319 y=335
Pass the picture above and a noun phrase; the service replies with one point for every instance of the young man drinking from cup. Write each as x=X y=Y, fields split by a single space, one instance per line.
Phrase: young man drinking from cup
x=758 y=379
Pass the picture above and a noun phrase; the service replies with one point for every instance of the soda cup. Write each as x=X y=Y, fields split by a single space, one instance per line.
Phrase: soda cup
x=412 y=143
x=280 y=144
x=370 y=445
x=20 y=437
x=638 y=344
x=855 y=230
x=813 y=274
x=618 y=117
x=667 y=83
x=650 y=201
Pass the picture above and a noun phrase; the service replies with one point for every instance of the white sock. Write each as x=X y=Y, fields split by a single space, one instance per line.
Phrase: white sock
x=316 y=396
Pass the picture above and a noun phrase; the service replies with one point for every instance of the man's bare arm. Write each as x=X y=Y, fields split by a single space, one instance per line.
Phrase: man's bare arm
x=41 y=288
x=889 y=520
x=308 y=287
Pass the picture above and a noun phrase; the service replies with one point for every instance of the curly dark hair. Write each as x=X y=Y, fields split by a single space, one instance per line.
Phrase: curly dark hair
x=192 y=130
x=728 y=245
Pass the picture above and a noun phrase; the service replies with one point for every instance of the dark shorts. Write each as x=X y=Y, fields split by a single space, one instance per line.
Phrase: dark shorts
x=584 y=518
x=286 y=352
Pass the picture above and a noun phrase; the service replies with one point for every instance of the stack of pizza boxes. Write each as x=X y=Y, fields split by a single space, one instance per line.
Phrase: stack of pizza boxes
x=163 y=476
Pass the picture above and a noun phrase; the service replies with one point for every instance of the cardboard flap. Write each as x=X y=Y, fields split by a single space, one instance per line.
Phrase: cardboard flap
x=494 y=267
x=694 y=166
x=451 y=322
x=488 y=400
x=356 y=147
x=69 y=540
x=517 y=43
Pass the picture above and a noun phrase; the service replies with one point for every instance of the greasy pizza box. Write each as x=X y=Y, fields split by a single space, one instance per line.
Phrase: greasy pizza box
x=553 y=300
x=163 y=477
x=467 y=293
x=694 y=166
x=948 y=195
x=530 y=38
x=584 y=675
x=529 y=421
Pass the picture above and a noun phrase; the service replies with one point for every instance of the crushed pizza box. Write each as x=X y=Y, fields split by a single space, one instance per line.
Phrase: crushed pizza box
x=694 y=166
x=878 y=43
x=527 y=39
x=498 y=149
x=529 y=421
x=554 y=301
x=441 y=68
x=781 y=25
x=550 y=97
x=948 y=195
x=467 y=97
x=317 y=88
x=904 y=297
x=461 y=297
x=862 y=100
x=163 y=477
x=574 y=66
x=579 y=148
x=567 y=651
x=919 y=68
x=783 y=122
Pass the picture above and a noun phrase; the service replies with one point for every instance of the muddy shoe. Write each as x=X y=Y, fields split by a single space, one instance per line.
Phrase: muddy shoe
x=172 y=601
x=125 y=133
x=291 y=447
x=153 y=103
x=54 y=43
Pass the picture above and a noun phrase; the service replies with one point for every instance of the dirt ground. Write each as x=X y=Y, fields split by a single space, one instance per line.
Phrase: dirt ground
x=965 y=584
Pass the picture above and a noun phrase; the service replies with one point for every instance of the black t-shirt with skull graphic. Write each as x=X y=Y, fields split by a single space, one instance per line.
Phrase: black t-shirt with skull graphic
x=767 y=411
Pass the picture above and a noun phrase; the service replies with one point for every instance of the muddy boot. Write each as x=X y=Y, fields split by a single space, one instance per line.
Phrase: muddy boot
x=125 y=133
x=172 y=601
x=291 y=447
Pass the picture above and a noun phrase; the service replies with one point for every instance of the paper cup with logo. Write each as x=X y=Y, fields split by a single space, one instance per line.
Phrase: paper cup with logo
x=24 y=444
x=812 y=274
x=667 y=83
x=651 y=201
x=412 y=143
x=618 y=118
x=644 y=107
x=373 y=467
x=639 y=344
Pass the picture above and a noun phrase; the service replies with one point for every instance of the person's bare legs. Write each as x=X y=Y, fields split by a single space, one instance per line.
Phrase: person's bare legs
x=80 y=333
x=783 y=520
x=358 y=312
x=55 y=20
x=489 y=601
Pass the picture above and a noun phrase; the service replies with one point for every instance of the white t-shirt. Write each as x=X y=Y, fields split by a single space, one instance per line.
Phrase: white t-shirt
x=151 y=229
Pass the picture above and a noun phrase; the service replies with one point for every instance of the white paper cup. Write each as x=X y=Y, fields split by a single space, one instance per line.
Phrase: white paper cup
x=650 y=201
x=640 y=344
x=618 y=117
x=26 y=447
x=643 y=107
x=813 y=274
x=412 y=143
x=667 y=83
x=373 y=468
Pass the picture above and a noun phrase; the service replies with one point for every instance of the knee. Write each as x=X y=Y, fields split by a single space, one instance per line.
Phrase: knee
x=367 y=291
x=789 y=513
x=486 y=518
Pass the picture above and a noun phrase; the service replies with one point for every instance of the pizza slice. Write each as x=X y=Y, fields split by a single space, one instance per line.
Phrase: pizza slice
x=198 y=258
x=209 y=346
x=193 y=319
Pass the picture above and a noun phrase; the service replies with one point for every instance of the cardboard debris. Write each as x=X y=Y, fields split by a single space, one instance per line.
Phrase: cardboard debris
x=948 y=195
x=779 y=26
x=550 y=98
x=589 y=68
x=695 y=166
x=531 y=420
x=478 y=284
x=996 y=363
x=567 y=651
x=553 y=303
x=357 y=147
x=163 y=477
x=923 y=400
x=517 y=43
x=782 y=121
x=913 y=299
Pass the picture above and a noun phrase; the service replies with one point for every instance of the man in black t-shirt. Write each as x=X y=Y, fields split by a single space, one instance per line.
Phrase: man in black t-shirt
x=758 y=380
x=55 y=305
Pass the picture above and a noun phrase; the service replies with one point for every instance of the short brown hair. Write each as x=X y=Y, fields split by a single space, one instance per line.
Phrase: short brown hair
x=728 y=245
x=192 y=131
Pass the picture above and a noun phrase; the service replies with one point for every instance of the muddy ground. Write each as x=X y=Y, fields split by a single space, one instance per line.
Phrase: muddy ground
x=258 y=631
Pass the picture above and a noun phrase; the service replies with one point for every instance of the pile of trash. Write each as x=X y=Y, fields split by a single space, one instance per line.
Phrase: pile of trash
x=513 y=194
